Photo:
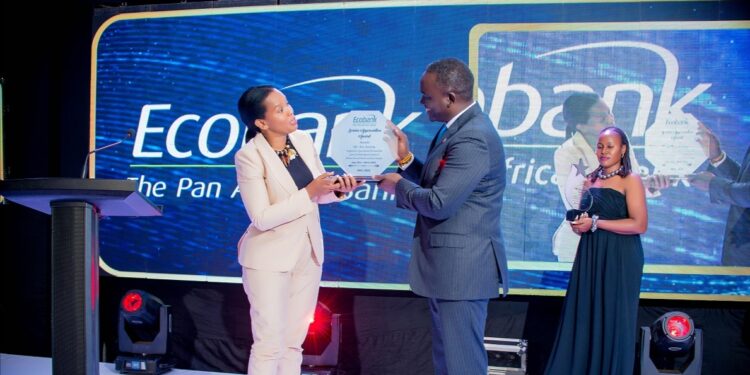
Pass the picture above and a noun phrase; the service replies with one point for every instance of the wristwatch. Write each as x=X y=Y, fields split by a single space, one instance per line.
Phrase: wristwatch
x=594 y=218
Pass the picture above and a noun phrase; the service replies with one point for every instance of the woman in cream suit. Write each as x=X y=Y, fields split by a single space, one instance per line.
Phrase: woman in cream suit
x=281 y=181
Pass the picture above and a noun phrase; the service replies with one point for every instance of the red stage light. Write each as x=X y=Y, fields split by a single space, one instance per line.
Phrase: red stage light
x=321 y=322
x=321 y=345
x=132 y=302
x=671 y=345
x=142 y=333
x=673 y=332
x=678 y=327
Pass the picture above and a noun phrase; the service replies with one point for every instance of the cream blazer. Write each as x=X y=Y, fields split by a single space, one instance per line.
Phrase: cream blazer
x=283 y=218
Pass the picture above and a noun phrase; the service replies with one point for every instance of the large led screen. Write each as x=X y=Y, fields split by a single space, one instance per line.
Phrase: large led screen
x=175 y=78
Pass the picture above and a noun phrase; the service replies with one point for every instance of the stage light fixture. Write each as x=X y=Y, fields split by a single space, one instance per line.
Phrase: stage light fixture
x=321 y=345
x=673 y=332
x=142 y=333
x=671 y=345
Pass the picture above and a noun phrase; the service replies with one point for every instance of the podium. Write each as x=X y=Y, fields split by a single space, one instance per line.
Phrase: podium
x=76 y=205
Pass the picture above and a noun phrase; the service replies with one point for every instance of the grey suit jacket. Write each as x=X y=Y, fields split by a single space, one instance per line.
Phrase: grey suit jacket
x=457 y=250
x=732 y=186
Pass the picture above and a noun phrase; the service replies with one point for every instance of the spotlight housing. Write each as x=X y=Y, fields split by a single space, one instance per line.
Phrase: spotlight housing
x=142 y=333
x=671 y=345
x=673 y=332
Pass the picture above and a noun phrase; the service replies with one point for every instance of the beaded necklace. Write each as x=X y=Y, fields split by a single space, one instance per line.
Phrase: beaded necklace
x=605 y=176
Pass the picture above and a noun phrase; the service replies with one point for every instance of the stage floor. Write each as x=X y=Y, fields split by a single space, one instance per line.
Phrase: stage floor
x=11 y=364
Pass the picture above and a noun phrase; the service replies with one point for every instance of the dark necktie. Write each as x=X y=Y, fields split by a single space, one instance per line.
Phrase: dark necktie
x=438 y=137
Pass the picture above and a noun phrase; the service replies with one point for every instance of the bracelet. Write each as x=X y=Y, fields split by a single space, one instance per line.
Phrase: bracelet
x=594 y=219
x=406 y=159
x=719 y=158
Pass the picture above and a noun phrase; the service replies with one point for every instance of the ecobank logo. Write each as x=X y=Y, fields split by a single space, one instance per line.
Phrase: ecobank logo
x=226 y=130
x=508 y=80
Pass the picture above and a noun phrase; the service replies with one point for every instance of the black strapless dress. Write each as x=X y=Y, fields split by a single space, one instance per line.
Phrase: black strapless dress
x=597 y=331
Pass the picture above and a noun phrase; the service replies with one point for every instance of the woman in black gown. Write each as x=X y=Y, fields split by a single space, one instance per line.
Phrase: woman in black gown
x=598 y=326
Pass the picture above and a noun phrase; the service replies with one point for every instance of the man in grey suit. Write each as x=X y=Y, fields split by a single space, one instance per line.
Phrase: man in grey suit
x=458 y=260
x=728 y=182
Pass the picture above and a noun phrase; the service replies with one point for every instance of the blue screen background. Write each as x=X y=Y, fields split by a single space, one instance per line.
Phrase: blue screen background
x=332 y=60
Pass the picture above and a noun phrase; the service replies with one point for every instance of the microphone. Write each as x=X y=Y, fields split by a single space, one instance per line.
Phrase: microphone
x=128 y=134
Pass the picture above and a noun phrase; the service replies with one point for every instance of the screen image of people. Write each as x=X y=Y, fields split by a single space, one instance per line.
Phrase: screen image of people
x=585 y=115
x=728 y=183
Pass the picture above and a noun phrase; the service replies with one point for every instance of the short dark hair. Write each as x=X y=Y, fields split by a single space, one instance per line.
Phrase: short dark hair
x=250 y=105
x=453 y=75
x=576 y=110
x=626 y=166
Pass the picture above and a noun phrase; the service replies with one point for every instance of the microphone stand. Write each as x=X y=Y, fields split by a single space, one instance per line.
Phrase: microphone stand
x=86 y=161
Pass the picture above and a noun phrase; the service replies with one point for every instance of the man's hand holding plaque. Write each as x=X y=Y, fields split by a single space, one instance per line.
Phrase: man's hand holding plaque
x=363 y=144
